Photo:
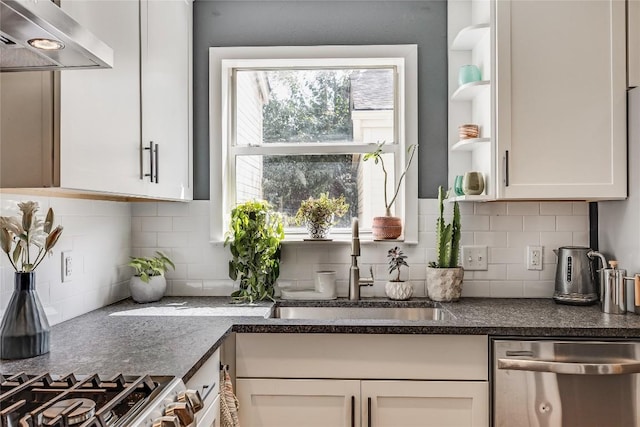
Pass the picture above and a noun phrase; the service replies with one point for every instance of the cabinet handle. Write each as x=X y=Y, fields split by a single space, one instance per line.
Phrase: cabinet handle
x=369 y=423
x=157 y=163
x=151 y=173
x=506 y=168
x=353 y=411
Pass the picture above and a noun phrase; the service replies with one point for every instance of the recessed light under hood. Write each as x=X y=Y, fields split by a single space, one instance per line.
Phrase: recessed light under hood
x=37 y=35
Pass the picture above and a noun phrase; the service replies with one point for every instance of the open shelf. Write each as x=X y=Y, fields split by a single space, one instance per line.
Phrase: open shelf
x=470 y=144
x=469 y=198
x=469 y=91
x=469 y=37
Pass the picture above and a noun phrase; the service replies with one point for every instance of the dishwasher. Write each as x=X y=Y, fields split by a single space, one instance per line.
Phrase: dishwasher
x=566 y=383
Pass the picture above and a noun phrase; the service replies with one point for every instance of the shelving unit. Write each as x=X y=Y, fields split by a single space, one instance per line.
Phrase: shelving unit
x=469 y=37
x=470 y=34
x=470 y=144
x=469 y=91
x=469 y=198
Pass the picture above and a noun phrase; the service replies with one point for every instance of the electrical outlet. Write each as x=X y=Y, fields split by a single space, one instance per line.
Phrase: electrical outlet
x=474 y=258
x=67 y=266
x=534 y=257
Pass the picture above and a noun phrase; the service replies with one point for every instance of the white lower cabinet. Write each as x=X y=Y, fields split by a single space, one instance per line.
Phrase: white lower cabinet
x=424 y=403
x=352 y=380
x=298 y=402
x=351 y=403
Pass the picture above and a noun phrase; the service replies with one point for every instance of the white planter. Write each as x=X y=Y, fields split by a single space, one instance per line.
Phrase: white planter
x=444 y=284
x=147 y=292
x=398 y=290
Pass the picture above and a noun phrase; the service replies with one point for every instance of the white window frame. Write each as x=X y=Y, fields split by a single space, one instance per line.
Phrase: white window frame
x=222 y=63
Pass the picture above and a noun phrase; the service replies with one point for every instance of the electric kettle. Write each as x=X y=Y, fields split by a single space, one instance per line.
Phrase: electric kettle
x=576 y=280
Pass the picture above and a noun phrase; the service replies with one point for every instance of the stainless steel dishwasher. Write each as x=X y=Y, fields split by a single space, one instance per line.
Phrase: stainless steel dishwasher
x=544 y=383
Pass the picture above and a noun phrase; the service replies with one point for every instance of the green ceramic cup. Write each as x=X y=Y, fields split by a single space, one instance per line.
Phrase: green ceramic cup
x=473 y=183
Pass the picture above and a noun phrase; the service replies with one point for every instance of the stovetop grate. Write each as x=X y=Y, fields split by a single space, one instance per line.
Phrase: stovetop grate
x=44 y=400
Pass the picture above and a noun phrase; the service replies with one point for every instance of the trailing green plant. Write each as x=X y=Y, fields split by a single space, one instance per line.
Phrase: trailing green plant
x=254 y=240
x=447 y=235
x=18 y=235
x=321 y=210
x=397 y=259
x=377 y=158
x=147 y=267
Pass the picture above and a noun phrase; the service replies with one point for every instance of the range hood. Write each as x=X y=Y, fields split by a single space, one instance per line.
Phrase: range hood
x=37 y=35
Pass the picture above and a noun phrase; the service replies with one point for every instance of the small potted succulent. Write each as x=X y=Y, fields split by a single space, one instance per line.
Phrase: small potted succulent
x=319 y=214
x=389 y=226
x=444 y=277
x=148 y=283
x=397 y=289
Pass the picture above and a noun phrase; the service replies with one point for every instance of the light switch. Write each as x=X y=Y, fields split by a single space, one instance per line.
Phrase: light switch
x=474 y=258
x=67 y=266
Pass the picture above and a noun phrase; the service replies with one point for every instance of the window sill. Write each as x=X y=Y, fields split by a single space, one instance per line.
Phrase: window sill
x=336 y=239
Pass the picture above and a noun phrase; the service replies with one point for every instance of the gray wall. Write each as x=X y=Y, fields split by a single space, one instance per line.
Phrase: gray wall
x=307 y=23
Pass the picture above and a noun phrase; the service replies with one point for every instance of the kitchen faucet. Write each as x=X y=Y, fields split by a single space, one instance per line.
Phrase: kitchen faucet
x=354 y=272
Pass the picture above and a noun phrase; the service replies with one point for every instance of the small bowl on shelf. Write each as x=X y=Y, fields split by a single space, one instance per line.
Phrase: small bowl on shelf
x=468 y=131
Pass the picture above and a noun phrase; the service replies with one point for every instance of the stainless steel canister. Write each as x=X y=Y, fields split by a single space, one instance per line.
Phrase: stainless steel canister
x=613 y=295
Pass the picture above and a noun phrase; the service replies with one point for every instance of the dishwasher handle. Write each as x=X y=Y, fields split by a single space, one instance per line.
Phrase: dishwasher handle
x=570 y=368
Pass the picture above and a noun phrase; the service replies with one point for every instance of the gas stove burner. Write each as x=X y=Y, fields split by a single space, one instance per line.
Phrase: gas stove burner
x=76 y=411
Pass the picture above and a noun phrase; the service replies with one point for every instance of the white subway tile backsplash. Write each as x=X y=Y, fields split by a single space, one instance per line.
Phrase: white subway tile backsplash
x=144 y=209
x=556 y=208
x=157 y=223
x=580 y=208
x=491 y=208
x=523 y=208
x=539 y=289
x=505 y=256
x=491 y=238
x=511 y=289
x=522 y=239
x=173 y=209
x=554 y=240
x=173 y=240
x=580 y=238
x=493 y=272
x=473 y=288
x=520 y=272
x=572 y=223
x=506 y=223
x=539 y=223
x=475 y=223
x=144 y=240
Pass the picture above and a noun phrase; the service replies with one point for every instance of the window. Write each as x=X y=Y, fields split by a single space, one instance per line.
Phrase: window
x=289 y=123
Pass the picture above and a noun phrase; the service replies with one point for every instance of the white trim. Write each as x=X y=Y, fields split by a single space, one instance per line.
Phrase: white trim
x=223 y=59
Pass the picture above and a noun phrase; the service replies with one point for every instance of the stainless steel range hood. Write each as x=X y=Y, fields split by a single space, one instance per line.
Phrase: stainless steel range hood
x=63 y=42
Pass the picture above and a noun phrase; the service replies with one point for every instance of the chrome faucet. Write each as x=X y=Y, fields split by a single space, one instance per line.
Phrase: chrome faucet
x=354 y=272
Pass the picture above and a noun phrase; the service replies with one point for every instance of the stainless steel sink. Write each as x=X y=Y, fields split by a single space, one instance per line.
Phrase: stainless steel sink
x=393 y=313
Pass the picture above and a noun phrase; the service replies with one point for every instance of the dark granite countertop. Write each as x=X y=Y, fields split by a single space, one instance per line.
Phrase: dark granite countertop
x=132 y=339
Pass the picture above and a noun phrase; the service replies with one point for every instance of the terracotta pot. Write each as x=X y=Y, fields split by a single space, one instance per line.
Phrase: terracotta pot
x=386 y=227
x=147 y=292
x=444 y=284
x=398 y=290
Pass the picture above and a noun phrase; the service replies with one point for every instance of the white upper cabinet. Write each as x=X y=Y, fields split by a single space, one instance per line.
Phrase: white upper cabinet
x=166 y=95
x=100 y=109
x=90 y=128
x=561 y=99
x=555 y=118
x=633 y=43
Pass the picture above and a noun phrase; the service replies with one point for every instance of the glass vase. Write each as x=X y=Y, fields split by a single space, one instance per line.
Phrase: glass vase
x=24 y=331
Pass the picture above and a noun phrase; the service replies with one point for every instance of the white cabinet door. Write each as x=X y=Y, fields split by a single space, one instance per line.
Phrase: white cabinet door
x=425 y=403
x=633 y=42
x=100 y=109
x=561 y=100
x=298 y=403
x=166 y=102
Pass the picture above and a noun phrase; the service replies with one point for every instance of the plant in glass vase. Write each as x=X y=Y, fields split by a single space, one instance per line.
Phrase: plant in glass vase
x=397 y=289
x=319 y=214
x=389 y=226
x=24 y=331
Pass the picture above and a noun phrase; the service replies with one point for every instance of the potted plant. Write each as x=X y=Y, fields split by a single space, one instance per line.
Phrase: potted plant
x=254 y=241
x=397 y=289
x=148 y=283
x=388 y=226
x=24 y=331
x=444 y=277
x=319 y=214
